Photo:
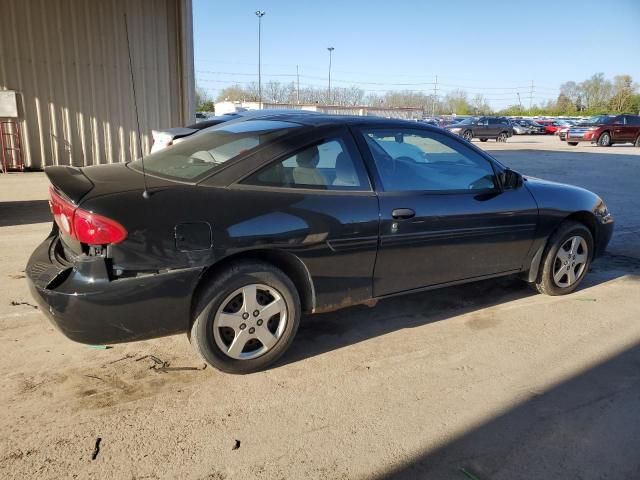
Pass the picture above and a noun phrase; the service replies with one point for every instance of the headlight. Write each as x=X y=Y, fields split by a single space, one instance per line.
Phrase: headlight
x=455 y=130
x=593 y=128
x=602 y=211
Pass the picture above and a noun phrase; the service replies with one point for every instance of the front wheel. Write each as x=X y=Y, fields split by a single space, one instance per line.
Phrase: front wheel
x=566 y=260
x=467 y=135
x=246 y=318
x=604 y=140
x=573 y=144
x=502 y=137
x=637 y=142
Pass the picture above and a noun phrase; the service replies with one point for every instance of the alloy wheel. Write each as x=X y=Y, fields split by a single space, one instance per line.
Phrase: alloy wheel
x=605 y=139
x=250 y=321
x=570 y=262
x=467 y=136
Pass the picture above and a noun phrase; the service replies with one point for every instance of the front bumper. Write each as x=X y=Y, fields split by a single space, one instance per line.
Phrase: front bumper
x=88 y=307
x=603 y=234
x=588 y=136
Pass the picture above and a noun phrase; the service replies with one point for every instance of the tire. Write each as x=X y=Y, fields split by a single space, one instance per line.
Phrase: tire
x=552 y=261
x=502 y=137
x=604 y=140
x=484 y=139
x=214 y=342
x=573 y=144
x=467 y=135
x=637 y=142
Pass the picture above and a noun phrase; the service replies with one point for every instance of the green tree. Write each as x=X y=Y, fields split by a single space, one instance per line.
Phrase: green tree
x=232 y=93
x=596 y=93
x=623 y=90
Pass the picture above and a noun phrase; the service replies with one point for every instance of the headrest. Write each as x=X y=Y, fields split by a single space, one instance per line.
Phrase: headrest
x=308 y=158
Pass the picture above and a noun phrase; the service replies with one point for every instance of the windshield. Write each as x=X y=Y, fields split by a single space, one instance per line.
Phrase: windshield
x=466 y=121
x=199 y=155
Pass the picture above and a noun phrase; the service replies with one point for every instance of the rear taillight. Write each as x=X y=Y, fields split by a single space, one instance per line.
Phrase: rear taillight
x=86 y=227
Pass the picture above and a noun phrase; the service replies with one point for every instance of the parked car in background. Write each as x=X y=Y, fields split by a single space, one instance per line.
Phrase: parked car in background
x=169 y=136
x=605 y=130
x=241 y=228
x=484 y=128
x=534 y=127
x=562 y=132
x=563 y=127
x=550 y=126
x=520 y=129
x=164 y=138
x=430 y=121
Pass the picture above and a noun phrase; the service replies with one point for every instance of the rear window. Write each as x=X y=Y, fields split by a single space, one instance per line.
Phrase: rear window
x=201 y=154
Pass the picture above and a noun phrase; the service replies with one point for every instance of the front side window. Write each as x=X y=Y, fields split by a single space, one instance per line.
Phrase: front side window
x=409 y=160
x=201 y=154
x=333 y=164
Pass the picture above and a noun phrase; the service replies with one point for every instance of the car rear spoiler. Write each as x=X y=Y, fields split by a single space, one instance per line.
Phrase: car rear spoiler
x=70 y=181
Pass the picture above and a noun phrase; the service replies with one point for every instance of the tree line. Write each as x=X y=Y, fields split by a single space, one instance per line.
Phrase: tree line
x=595 y=95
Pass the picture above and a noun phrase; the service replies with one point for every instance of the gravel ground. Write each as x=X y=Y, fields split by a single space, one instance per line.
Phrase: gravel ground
x=488 y=377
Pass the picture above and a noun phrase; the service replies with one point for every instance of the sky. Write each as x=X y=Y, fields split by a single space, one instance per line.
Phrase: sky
x=496 y=48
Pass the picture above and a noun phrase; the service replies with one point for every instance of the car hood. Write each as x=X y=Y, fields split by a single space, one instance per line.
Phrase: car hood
x=550 y=194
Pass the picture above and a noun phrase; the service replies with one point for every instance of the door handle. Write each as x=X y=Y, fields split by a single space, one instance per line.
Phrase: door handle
x=402 y=213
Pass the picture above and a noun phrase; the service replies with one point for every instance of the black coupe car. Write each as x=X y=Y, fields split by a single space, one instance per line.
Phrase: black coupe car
x=242 y=227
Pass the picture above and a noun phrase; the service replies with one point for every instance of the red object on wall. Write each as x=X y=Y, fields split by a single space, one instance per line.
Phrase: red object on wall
x=11 y=146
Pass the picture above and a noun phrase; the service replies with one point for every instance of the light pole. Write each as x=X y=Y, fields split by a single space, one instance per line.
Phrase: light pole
x=331 y=49
x=259 y=14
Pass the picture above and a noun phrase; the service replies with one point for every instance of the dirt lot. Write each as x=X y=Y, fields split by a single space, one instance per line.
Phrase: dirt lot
x=489 y=377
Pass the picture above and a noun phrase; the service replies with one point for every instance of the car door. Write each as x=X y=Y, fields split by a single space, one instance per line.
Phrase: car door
x=444 y=217
x=481 y=128
x=315 y=201
x=494 y=127
x=633 y=126
x=619 y=131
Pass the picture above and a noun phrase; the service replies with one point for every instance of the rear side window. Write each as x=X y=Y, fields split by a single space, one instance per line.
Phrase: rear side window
x=633 y=120
x=202 y=153
x=332 y=164
x=494 y=121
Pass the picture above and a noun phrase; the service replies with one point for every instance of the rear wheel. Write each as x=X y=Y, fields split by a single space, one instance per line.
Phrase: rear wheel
x=467 y=135
x=566 y=259
x=604 y=140
x=502 y=137
x=573 y=144
x=246 y=318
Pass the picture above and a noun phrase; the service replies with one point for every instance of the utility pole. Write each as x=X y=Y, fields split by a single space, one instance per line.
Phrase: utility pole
x=519 y=101
x=331 y=49
x=435 y=97
x=297 y=85
x=260 y=14
x=531 y=96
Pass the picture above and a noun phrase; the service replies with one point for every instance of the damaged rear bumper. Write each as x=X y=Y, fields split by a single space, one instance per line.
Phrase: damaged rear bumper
x=89 y=307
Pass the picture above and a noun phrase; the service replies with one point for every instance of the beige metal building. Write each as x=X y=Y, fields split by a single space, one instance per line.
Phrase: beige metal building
x=68 y=61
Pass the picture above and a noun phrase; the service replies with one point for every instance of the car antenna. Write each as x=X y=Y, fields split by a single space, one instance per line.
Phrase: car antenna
x=145 y=193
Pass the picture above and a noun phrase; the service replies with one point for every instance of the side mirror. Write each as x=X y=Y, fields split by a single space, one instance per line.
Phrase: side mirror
x=511 y=180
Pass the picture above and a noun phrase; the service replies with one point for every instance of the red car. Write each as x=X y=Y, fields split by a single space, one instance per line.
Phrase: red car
x=550 y=126
x=605 y=130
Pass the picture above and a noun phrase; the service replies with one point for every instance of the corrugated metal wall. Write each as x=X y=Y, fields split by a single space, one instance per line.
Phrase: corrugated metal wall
x=68 y=59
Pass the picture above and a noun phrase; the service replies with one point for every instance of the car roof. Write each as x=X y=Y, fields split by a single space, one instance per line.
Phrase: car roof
x=324 y=119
